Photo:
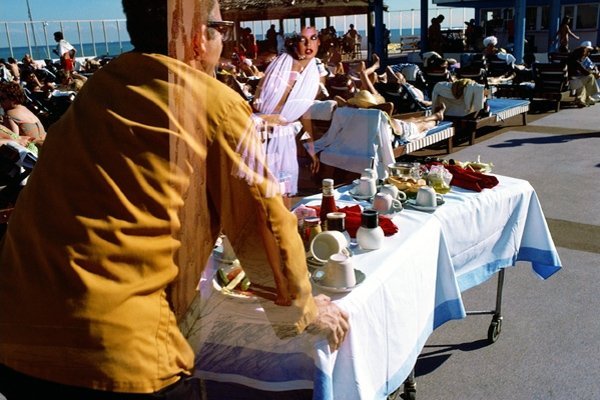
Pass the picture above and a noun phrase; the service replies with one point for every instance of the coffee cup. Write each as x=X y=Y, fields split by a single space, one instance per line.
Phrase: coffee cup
x=366 y=187
x=327 y=243
x=385 y=204
x=369 y=173
x=339 y=271
x=427 y=197
x=393 y=191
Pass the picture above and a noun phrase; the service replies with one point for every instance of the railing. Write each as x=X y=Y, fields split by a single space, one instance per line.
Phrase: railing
x=90 y=37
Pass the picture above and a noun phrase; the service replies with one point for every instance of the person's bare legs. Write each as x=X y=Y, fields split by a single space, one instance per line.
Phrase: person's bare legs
x=369 y=75
x=430 y=121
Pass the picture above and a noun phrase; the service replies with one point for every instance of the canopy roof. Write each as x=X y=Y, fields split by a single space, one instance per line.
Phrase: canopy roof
x=255 y=10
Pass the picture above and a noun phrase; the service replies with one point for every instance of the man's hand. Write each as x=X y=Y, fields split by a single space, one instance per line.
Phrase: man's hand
x=331 y=321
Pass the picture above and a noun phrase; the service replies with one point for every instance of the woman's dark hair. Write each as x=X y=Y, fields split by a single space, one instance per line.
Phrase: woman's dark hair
x=12 y=91
x=147 y=25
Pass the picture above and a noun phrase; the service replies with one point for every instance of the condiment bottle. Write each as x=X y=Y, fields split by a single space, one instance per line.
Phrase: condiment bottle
x=336 y=221
x=312 y=226
x=370 y=235
x=328 y=201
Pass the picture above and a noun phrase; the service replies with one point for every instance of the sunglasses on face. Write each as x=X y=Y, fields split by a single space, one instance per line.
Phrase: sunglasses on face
x=225 y=28
x=304 y=40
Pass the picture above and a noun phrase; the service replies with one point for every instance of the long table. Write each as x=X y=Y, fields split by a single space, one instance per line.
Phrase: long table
x=413 y=285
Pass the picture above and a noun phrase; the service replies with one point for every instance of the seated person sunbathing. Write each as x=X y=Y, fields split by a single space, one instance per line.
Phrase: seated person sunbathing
x=368 y=97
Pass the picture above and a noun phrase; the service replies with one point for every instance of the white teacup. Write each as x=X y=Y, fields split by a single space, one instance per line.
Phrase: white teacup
x=369 y=173
x=366 y=186
x=385 y=203
x=339 y=271
x=327 y=243
x=427 y=197
x=393 y=191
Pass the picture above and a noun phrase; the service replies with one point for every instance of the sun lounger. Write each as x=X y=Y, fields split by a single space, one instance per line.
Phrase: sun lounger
x=499 y=111
x=360 y=138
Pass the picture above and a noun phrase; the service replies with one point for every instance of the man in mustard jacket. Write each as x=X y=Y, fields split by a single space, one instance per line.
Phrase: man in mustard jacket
x=111 y=233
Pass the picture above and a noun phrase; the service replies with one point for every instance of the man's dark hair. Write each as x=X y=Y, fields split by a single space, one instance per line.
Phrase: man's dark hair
x=58 y=35
x=147 y=25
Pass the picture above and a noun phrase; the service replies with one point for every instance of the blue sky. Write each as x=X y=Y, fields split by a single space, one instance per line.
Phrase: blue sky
x=42 y=10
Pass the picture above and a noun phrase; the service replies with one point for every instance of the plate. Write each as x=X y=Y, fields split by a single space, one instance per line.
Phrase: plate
x=359 y=197
x=413 y=204
x=317 y=276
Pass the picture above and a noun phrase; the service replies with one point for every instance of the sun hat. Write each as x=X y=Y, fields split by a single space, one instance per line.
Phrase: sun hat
x=587 y=44
x=363 y=99
x=493 y=40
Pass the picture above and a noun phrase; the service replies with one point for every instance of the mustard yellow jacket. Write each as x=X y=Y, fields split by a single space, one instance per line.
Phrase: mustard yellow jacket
x=131 y=189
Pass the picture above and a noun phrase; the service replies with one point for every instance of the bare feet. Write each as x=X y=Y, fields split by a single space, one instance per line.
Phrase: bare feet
x=375 y=59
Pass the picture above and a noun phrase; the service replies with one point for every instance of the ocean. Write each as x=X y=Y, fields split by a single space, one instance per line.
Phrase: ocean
x=85 y=50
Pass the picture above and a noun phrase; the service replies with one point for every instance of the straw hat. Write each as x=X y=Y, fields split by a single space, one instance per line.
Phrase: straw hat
x=587 y=44
x=363 y=99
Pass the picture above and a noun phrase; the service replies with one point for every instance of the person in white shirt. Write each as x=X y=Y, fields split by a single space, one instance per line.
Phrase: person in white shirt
x=65 y=51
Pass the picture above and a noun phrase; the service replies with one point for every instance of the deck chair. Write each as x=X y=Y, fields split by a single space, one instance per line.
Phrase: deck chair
x=551 y=83
x=433 y=75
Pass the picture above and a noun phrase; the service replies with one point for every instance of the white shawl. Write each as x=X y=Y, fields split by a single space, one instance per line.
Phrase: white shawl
x=280 y=144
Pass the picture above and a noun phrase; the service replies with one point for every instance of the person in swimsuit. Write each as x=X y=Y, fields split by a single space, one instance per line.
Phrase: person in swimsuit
x=18 y=118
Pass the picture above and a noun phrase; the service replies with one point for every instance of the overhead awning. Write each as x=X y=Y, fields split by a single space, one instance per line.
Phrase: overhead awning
x=255 y=10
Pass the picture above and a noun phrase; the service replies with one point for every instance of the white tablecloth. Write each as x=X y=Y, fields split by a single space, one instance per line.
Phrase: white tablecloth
x=412 y=286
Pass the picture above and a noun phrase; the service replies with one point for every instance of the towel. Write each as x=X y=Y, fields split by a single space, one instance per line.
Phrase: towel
x=353 y=219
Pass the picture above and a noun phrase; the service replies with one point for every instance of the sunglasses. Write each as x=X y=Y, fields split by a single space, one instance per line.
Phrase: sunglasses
x=225 y=28
x=304 y=40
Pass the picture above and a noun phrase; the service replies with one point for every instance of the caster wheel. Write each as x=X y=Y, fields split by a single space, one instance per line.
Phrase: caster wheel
x=495 y=329
x=409 y=395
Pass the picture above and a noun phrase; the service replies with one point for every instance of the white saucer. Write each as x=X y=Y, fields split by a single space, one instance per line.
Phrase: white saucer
x=318 y=275
x=357 y=196
x=413 y=204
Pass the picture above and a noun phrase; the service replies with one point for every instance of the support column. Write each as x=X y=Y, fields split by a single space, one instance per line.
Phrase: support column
x=554 y=23
x=375 y=29
x=519 y=20
x=424 y=25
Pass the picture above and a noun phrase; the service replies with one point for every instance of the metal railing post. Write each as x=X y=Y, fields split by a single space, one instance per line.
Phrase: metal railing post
x=105 y=38
x=80 y=41
x=93 y=39
x=12 y=54
x=27 y=38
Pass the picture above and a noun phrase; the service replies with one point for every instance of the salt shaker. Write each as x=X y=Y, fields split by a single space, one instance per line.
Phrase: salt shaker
x=370 y=235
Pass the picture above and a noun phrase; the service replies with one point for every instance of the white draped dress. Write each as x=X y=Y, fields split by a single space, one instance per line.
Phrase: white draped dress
x=280 y=140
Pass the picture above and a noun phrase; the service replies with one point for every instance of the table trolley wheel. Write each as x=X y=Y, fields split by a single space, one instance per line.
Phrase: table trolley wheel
x=495 y=328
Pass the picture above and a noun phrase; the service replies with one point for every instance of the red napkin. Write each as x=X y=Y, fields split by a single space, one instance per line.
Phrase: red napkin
x=353 y=217
x=469 y=179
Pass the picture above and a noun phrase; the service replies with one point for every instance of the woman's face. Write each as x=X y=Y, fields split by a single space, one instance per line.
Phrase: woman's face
x=308 y=44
